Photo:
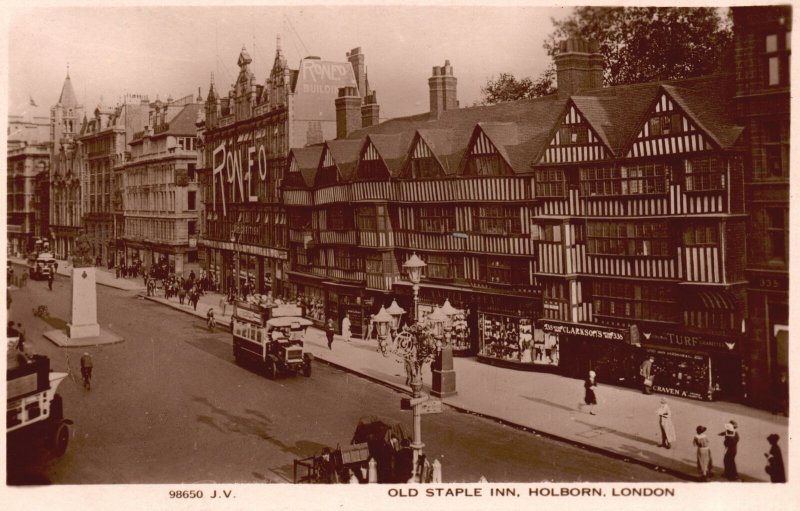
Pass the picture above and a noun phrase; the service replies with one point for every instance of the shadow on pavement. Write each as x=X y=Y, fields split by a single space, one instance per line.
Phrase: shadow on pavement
x=549 y=403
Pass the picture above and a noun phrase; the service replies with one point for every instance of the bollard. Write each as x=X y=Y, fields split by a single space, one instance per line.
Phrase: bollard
x=373 y=471
x=437 y=472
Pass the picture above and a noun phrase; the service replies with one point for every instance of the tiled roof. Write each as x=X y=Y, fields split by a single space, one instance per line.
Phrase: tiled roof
x=307 y=160
x=522 y=129
x=184 y=122
x=345 y=154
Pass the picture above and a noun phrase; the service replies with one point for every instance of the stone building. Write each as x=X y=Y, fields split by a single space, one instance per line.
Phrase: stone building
x=64 y=201
x=160 y=189
x=763 y=53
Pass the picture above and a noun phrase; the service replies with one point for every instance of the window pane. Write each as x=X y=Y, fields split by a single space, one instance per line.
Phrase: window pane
x=774 y=71
x=771 y=43
x=788 y=40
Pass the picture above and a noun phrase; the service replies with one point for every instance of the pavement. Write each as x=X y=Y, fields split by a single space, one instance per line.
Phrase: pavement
x=625 y=424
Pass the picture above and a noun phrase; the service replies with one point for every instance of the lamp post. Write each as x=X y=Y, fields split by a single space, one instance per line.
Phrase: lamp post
x=444 y=376
x=396 y=312
x=234 y=241
x=414 y=267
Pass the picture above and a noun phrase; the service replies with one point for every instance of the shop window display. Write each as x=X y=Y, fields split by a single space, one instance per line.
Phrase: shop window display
x=512 y=338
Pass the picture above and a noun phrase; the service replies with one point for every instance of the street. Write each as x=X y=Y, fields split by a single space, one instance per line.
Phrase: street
x=169 y=405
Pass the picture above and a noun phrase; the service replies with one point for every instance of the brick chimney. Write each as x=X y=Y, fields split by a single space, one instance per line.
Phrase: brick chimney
x=348 y=111
x=579 y=66
x=356 y=59
x=442 y=87
x=370 y=110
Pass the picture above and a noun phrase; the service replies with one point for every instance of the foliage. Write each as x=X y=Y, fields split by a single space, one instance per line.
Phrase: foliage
x=639 y=44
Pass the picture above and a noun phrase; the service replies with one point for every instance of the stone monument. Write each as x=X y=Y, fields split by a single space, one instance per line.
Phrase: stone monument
x=83 y=322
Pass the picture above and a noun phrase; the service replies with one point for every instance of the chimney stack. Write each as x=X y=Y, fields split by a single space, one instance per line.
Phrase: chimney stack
x=356 y=59
x=348 y=111
x=442 y=86
x=579 y=66
x=370 y=110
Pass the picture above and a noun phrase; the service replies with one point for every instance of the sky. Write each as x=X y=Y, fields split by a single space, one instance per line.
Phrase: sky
x=171 y=51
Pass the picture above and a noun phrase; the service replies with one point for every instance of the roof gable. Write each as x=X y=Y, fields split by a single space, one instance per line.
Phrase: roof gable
x=574 y=138
x=420 y=150
x=668 y=129
x=371 y=164
x=481 y=146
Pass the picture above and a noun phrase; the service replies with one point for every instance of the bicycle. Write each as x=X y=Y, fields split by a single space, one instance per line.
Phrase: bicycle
x=41 y=311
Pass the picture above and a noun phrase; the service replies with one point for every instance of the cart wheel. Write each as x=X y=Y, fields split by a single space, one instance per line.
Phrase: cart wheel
x=307 y=369
x=272 y=369
x=60 y=439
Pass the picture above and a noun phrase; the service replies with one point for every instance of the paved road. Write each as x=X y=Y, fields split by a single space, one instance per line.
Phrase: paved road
x=170 y=405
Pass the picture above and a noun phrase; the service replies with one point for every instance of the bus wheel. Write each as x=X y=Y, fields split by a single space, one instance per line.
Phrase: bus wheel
x=60 y=439
x=307 y=369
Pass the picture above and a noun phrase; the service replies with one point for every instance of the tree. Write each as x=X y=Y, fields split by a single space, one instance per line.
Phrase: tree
x=639 y=44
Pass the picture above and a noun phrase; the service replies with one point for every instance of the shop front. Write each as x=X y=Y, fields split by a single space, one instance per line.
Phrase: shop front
x=310 y=291
x=695 y=366
x=574 y=349
x=345 y=300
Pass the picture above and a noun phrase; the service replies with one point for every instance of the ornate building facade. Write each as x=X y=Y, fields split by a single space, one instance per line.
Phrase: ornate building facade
x=160 y=189
x=245 y=138
x=66 y=122
x=103 y=144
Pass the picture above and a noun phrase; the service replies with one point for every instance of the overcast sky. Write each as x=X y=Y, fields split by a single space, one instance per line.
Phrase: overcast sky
x=173 y=50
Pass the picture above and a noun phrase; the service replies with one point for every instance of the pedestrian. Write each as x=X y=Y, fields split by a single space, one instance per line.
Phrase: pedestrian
x=731 y=443
x=665 y=424
x=181 y=294
x=704 y=462
x=589 y=397
x=775 y=468
x=409 y=367
x=50 y=279
x=646 y=372
x=223 y=304
x=21 y=333
x=346 y=327
x=330 y=330
x=194 y=298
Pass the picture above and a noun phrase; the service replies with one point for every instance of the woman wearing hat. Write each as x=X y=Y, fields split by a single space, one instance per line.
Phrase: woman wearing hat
x=775 y=468
x=731 y=442
x=589 y=397
x=704 y=463
x=665 y=423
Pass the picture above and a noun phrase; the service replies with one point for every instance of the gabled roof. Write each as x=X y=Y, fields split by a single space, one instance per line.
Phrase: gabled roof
x=392 y=149
x=307 y=160
x=712 y=111
x=345 y=154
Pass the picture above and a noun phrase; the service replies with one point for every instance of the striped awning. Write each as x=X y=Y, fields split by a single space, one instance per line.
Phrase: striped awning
x=715 y=300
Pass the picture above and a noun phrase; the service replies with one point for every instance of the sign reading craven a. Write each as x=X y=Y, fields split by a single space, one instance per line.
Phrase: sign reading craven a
x=583 y=331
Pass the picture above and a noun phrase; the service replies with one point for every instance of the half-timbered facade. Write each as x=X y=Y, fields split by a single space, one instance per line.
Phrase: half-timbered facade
x=581 y=231
x=245 y=137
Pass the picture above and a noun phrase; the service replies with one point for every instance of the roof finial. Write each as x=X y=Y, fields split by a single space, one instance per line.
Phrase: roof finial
x=278 y=44
x=67 y=69
x=212 y=78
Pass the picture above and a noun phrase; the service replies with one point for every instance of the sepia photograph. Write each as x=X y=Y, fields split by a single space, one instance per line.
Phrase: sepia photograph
x=475 y=255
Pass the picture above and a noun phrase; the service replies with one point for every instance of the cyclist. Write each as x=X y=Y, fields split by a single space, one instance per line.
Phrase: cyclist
x=210 y=319
x=86 y=370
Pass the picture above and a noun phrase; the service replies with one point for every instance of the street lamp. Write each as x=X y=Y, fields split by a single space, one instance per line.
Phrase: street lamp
x=234 y=239
x=444 y=376
x=396 y=312
x=414 y=266
x=384 y=322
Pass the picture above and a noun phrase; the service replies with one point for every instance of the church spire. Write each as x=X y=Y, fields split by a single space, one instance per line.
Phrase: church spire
x=67 y=97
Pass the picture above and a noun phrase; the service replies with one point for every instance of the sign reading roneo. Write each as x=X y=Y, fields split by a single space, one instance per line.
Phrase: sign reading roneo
x=317 y=76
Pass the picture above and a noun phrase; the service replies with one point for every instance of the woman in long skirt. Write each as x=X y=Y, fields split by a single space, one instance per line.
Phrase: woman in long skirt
x=731 y=442
x=589 y=397
x=665 y=424
x=704 y=463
